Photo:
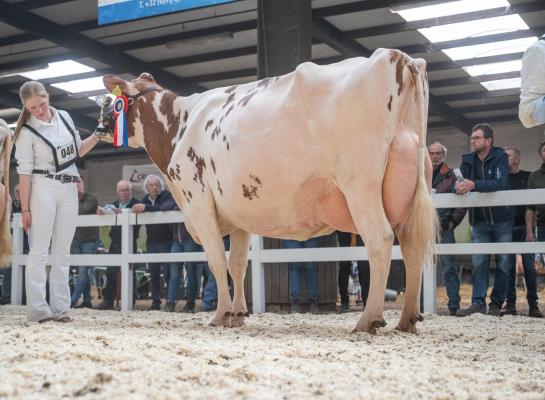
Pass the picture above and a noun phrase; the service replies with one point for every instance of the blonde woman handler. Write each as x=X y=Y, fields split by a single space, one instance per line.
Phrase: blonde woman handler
x=46 y=147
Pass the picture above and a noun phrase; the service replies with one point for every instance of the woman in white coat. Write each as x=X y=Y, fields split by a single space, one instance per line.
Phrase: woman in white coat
x=46 y=147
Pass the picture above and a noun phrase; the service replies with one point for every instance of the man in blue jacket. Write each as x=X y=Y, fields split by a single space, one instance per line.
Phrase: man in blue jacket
x=486 y=169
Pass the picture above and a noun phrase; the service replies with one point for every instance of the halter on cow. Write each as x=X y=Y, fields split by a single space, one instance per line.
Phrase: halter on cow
x=341 y=146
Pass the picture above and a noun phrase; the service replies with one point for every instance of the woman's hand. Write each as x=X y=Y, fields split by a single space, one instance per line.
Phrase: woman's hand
x=27 y=219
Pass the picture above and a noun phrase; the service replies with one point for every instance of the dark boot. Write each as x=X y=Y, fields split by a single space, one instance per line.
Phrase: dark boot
x=295 y=306
x=510 y=309
x=474 y=308
x=494 y=310
x=189 y=307
x=105 y=305
x=534 y=311
x=313 y=306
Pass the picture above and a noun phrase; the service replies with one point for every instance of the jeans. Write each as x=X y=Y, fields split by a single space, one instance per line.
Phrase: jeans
x=193 y=272
x=210 y=295
x=6 y=285
x=451 y=272
x=484 y=232
x=155 y=270
x=541 y=234
x=530 y=275
x=82 y=283
x=309 y=268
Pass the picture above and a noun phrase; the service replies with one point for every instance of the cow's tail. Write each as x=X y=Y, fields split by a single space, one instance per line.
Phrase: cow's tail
x=5 y=234
x=422 y=224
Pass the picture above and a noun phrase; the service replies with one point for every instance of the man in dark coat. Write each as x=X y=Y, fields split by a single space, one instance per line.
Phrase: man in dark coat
x=442 y=182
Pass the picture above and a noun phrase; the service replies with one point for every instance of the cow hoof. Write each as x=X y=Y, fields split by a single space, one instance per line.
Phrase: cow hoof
x=410 y=325
x=416 y=318
x=237 y=321
x=370 y=328
x=408 y=328
x=222 y=319
x=379 y=323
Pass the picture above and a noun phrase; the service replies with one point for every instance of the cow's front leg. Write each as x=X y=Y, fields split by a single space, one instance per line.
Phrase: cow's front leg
x=379 y=252
x=238 y=262
x=370 y=220
x=215 y=251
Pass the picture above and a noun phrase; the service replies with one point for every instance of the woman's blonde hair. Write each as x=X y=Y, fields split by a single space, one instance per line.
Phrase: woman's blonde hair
x=28 y=90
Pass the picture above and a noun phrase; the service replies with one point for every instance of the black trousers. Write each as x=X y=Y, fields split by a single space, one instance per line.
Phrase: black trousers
x=345 y=269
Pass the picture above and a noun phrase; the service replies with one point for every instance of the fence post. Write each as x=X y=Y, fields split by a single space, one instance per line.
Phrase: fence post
x=17 y=269
x=430 y=288
x=258 y=276
x=126 y=267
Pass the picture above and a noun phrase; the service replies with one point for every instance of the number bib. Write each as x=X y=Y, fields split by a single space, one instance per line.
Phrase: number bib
x=66 y=154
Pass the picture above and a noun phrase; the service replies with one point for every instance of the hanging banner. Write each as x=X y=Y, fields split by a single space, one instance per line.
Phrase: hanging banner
x=110 y=11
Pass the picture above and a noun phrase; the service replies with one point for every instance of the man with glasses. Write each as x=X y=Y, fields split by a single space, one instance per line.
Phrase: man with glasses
x=486 y=169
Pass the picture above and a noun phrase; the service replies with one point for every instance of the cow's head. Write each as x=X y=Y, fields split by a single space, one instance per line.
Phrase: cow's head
x=135 y=91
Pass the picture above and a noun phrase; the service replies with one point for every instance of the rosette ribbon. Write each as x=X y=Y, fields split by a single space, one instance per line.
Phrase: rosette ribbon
x=121 y=136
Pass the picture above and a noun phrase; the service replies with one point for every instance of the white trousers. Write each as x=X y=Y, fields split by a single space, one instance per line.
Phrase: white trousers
x=54 y=208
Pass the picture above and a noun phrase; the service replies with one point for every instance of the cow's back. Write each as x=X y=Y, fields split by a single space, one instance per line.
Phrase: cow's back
x=274 y=149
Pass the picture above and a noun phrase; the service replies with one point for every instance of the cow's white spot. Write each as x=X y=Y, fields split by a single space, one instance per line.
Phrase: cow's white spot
x=137 y=140
x=177 y=110
x=162 y=118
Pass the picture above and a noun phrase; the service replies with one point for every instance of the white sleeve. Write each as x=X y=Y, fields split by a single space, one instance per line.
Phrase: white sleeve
x=532 y=83
x=68 y=119
x=24 y=153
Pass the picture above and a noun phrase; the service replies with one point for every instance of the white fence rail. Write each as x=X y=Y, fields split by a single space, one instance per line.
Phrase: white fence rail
x=260 y=256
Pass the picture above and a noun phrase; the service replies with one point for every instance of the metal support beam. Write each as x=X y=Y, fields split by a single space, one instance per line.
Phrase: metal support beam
x=333 y=37
x=284 y=36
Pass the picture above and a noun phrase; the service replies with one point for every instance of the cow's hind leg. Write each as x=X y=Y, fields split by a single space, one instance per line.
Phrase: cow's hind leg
x=238 y=262
x=370 y=219
x=410 y=314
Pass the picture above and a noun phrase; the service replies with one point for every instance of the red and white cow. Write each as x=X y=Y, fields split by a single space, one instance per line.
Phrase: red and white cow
x=5 y=200
x=341 y=146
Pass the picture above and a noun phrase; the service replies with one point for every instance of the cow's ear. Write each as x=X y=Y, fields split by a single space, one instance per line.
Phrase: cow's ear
x=111 y=81
x=147 y=76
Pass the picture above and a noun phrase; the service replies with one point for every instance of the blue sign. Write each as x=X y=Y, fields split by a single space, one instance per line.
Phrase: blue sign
x=110 y=11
